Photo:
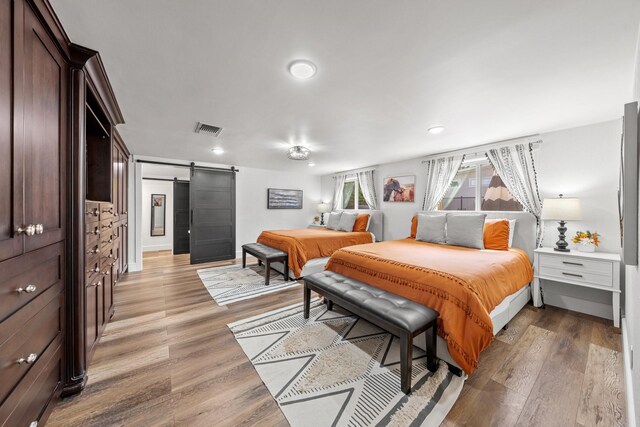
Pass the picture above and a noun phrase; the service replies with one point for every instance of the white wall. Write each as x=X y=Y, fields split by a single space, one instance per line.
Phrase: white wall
x=156 y=243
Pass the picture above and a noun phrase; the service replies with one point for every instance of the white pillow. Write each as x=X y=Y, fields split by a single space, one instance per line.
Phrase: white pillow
x=512 y=227
x=334 y=220
x=347 y=220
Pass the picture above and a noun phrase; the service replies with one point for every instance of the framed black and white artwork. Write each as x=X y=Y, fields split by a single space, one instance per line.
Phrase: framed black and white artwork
x=278 y=198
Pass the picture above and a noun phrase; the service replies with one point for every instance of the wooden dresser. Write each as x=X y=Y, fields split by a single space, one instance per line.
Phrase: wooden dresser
x=60 y=254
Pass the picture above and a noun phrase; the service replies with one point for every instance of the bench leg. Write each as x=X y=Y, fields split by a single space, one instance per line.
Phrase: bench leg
x=259 y=262
x=307 y=300
x=267 y=273
x=244 y=258
x=406 y=362
x=329 y=304
x=286 y=269
x=431 y=339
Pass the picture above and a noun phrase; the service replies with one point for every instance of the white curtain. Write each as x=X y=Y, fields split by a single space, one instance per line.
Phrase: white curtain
x=440 y=173
x=337 y=191
x=365 y=180
x=515 y=166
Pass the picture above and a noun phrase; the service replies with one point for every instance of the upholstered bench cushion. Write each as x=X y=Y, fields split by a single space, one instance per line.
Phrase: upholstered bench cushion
x=396 y=310
x=264 y=251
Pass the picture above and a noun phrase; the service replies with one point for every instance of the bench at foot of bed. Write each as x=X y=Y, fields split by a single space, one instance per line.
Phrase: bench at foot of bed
x=397 y=315
x=267 y=255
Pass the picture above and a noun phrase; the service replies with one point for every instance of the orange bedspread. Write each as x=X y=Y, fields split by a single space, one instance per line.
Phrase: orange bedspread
x=305 y=244
x=462 y=284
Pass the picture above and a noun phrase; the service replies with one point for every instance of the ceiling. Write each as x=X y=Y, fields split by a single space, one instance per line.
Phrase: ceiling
x=387 y=71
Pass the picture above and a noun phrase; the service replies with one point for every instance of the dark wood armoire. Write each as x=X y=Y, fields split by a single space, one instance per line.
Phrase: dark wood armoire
x=63 y=210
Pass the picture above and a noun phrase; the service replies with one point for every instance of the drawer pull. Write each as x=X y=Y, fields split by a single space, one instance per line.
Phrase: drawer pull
x=29 y=230
x=34 y=424
x=107 y=226
x=107 y=272
x=110 y=210
x=39 y=228
x=110 y=256
x=572 y=274
x=98 y=284
x=96 y=231
x=94 y=270
x=94 y=212
x=126 y=225
x=573 y=263
x=28 y=289
x=94 y=251
x=30 y=359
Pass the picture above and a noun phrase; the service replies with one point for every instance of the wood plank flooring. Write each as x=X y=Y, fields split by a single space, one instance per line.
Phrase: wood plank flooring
x=167 y=358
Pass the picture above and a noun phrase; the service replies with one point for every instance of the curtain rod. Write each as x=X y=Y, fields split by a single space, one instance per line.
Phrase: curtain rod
x=534 y=139
x=355 y=171
x=165 y=179
x=192 y=165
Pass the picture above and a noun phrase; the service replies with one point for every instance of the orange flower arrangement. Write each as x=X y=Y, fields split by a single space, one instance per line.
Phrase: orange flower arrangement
x=587 y=237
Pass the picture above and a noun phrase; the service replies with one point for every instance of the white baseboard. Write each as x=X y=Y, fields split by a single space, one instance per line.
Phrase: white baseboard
x=628 y=379
x=133 y=267
x=153 y=248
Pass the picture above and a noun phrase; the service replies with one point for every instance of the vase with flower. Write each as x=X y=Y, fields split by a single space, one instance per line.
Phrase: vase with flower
x=586 y=241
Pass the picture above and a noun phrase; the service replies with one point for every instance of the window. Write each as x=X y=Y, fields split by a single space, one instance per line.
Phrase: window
x=352 y=197
x=464 y=193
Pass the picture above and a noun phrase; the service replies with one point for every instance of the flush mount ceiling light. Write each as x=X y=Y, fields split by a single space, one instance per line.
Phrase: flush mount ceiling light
x=217 y=150
x=302 y=69
x=298 y=152
x=436 y=129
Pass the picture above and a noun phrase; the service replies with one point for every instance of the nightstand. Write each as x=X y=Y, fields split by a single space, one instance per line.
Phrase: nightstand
x=316 y=226
x=596 y=270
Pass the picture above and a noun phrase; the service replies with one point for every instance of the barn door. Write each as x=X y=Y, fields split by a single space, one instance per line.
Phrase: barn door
x=213 y=215
x=180 y=217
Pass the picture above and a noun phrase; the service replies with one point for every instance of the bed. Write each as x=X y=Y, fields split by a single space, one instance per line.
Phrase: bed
x=476 y=291
x=309 y=249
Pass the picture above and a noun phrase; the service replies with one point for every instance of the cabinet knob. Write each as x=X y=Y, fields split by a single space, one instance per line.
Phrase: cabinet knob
x=94 y=251
x=39 y=228
x=29 y=230
x=93 y=270
x=94 y=212
x=107 y=273
x=98 y=284
x=110 y=210
x=34 y=423
x=28 y=289
x=29 y=359
x=110 y=256
x=126 y=225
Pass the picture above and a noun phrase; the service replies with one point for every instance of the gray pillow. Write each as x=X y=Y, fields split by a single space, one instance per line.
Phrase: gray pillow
x=347 y=220
x=334 y=220
x=431 y=228
x=466 y=230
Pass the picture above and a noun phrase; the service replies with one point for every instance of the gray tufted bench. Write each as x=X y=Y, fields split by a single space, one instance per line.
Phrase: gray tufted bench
x=399 y=316
x=265 y=254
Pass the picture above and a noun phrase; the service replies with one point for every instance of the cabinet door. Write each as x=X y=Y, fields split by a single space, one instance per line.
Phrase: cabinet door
x=125 y=185
x=115 y=187
x=45 y=76
x=91 y=307
x=124 y=248
x=10 y=147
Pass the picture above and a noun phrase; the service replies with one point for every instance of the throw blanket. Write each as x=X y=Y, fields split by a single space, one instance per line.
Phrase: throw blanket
x=308 y=243
x=464 y=285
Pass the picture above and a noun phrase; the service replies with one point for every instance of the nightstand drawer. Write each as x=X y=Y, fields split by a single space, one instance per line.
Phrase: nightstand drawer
x=573 y=264
x=587 y=277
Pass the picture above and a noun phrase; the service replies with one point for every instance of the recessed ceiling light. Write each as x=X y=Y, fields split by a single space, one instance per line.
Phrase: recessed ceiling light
x=436 y=129
x=302 y=69
x=217 y=150
x=311 y=164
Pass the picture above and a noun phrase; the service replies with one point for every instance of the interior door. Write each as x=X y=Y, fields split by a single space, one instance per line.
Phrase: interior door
x=180 y=217
x=45 y=76
x=213 y=215
x=11 y=243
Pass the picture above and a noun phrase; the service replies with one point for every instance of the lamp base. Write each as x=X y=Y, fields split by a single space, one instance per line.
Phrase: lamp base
x=322 y=219
x=561 y=244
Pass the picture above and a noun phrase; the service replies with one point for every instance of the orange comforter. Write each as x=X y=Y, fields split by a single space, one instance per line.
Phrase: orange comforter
x=308 y=243
x=462 y=284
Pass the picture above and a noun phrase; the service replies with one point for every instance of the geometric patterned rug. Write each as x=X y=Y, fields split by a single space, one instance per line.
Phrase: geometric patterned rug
x=335 y=369
x=233 y=283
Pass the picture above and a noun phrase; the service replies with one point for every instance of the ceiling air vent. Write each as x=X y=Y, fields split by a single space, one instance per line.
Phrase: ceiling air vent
x=209 y=129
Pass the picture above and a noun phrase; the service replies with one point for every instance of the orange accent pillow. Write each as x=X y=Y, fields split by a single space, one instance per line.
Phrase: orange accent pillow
x=362 y=220
x=414 y=226
x=496 y=234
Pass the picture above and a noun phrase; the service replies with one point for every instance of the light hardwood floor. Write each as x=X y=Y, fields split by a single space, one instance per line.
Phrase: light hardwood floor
x=167 y=358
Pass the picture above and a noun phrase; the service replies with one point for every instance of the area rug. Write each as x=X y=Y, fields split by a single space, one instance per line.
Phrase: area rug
x=232 y=283
x=336 y=369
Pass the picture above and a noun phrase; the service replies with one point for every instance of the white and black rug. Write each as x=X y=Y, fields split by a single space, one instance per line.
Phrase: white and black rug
x=336 y=369
x=232 y=283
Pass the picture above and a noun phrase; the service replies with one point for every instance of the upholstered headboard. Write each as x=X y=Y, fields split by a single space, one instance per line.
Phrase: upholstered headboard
x=524 y=236
x=375 y=223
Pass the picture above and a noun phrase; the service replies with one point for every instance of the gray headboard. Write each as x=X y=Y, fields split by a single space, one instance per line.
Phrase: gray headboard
x=524 y=236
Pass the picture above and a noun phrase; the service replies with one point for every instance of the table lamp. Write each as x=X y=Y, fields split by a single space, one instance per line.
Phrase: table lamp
x=323 y=208
x=561 y=209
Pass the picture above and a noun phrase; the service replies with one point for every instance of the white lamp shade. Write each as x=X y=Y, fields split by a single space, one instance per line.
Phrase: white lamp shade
x=324 y=208
x=562 y=209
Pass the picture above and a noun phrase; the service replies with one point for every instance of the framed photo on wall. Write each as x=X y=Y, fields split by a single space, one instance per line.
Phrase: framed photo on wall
x=399 y=189
x=278 y=198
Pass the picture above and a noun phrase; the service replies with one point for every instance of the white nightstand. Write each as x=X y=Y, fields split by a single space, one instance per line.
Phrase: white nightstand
x=316 y=226
x=596 y=270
